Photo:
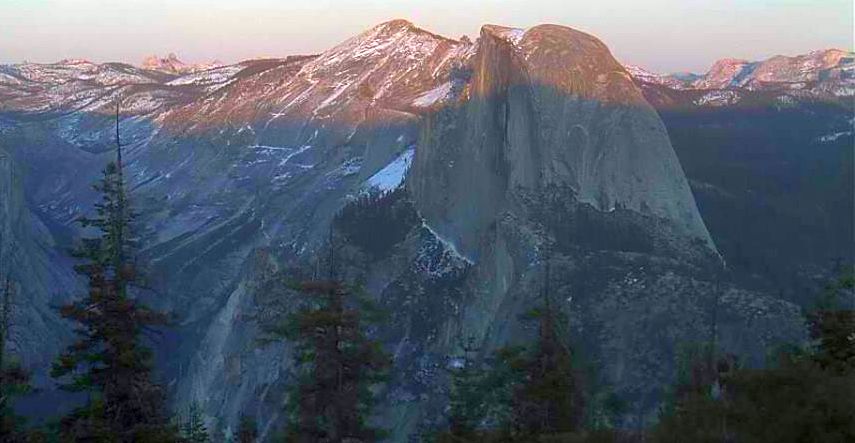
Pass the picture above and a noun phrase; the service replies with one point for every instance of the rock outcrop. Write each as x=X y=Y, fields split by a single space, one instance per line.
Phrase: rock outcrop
x=551 y=108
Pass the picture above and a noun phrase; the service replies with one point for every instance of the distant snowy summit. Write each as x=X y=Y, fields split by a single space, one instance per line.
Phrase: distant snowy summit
x=826 y=73
x=171 y=64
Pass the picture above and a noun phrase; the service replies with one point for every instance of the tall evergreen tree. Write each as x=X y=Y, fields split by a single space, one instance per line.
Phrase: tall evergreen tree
x=337 y=363
x=832 y=326
x=108 y=359
x=247 y=430
x=193 y=430
x=547 y=400
x=467 y=396
x=526 y=393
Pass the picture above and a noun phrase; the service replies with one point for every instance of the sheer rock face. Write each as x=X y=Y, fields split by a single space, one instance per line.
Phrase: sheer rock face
x=41 y=278
x=550 y=108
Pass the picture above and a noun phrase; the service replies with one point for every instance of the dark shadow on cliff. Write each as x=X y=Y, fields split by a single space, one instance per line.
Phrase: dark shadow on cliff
x=775 y=188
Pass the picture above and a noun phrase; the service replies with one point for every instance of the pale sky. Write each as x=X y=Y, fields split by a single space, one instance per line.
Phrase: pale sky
x=662 y=35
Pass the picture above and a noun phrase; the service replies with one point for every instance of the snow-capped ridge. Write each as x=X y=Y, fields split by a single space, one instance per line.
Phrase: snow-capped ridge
x=171 y=64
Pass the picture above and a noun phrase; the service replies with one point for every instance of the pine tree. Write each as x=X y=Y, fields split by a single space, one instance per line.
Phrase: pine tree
x=247 y=430
x=337 y=363
x=468 y=398
x=108 y=360
x=523 y=394
x=547 y=399
x=697 y=409
x=193 y=430
x=832 y=326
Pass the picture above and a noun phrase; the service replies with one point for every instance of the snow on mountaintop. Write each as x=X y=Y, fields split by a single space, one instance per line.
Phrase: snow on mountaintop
x=387 y=63
x=378 y=74
x=210 y=79
x=385 y=41
x=825 y=74
x=724 y=73
x=394 y=66
x=779 y=71
x=802 y=68
x=645 y=76
x=80 y=85
x=172 y=65
x=512 y=35
x=375 y=61
x=434 y=96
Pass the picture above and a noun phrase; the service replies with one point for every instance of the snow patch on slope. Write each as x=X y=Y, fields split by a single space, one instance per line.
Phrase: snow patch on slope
x=833 y=137
x=512 y=35
x=718 y=98
x=433 y=96
x=211 y=79
x=391 y=176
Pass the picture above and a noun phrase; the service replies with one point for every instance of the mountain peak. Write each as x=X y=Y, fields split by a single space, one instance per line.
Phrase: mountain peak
x=511 y=35
x=397 y=23
x=401 y=26
x=169 y=64
x=74 y=62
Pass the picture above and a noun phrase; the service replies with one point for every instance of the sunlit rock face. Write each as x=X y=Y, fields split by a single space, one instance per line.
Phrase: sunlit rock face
x=521 y=148
x=549 y=107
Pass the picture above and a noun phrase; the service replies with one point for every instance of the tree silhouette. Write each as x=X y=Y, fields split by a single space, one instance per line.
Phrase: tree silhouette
x=337 y=363
x=108 y=359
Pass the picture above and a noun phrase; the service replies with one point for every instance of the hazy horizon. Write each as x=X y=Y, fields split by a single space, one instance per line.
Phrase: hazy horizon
x=661 y=35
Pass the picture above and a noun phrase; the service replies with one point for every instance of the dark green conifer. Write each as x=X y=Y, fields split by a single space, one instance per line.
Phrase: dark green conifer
x=247 y=430
x=337 y=363
x=547 y=399
x=108 y=359
x=523 y=394
x=193 y=430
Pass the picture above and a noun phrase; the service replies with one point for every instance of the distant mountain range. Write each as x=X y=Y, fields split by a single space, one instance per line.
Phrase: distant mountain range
x=172 y=65
x=454 y=171
x=833 y=69
x=158 y=83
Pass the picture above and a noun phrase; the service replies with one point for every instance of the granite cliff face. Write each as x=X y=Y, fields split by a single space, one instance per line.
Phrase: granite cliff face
x=41 y=276
x=548 y=107
x=484 y=161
